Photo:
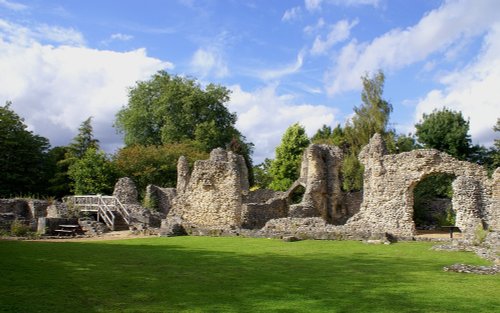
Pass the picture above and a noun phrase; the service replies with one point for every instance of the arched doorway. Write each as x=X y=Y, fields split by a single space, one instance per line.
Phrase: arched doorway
x=296 y=195
x=432 y=204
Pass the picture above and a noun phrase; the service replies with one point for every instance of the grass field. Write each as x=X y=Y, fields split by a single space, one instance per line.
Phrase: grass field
x=202 y=274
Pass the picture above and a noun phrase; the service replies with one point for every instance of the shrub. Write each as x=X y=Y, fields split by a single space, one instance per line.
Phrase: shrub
x=19 y=229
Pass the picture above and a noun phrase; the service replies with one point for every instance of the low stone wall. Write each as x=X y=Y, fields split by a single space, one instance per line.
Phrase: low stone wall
x=255 y=215
x=47 y=226
x=161 y=197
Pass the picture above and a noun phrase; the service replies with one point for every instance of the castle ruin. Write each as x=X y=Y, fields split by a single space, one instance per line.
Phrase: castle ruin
x=214 y=198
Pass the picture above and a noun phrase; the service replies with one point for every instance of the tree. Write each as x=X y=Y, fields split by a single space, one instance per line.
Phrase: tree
x=93 y=173
x=285 y=168
x=83 y=141
x=171 y=109
x=262 y=175
x=447 y=131
x=22 y=155
x=496 y=148
x=155 y=164
x=57 y=176
x=371 y=117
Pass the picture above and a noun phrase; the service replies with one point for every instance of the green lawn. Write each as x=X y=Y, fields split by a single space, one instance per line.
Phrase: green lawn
x=202 y=274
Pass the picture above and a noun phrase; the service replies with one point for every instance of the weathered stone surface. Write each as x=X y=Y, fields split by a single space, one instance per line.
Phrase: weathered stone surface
x=161 y=197
x=388 y=189
x=473 y=269
x=213 y=196
x=319 y=175
x=183 y=175
x=255 y=215
x=126 y=191
x=172 y=227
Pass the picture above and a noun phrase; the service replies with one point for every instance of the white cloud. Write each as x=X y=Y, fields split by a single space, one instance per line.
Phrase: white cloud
x=283 y=71
x=55 y=88
x=313 y=28
x=473 y=90
x=312 y=5
x=14 y=6
x=339 y=32
x=40 y=33
x=121 y=37
x=437 y=31
x=264 y=115
x=61 y=35
x=291 y=14
x=209 y=61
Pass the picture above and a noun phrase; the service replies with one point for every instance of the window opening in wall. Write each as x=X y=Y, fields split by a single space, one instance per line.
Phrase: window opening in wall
x=432 y=206
x=297 y=195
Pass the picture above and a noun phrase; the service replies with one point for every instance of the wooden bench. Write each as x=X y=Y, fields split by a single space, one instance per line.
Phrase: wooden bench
x=70 y=230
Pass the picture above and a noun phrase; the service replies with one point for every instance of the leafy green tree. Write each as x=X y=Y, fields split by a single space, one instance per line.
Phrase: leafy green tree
x=57 y=176
x=171 y=109
x=322 y=135
x=83 y=141
x=93 y=173
x=447 y=131
x=155 y=164
x=22 y=155
x=371 y=117
x=285 y=168
x=496 y=148
x=262 y=175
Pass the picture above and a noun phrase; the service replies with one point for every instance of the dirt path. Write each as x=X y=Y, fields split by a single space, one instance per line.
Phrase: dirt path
x=115 y=235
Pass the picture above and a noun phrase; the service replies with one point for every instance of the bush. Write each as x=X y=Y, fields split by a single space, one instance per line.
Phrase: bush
x=480 y=234
x=19 y=229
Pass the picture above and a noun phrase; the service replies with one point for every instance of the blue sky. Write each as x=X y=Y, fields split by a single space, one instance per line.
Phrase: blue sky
x=285 y=61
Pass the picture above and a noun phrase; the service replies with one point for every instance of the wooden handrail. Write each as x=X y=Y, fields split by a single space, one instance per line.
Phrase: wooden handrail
x=105 y=206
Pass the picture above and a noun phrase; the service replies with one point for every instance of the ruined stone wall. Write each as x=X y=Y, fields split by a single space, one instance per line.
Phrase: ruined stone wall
x=161 y=198
x=255 y=215
x=388 y=188
x=212 y=194
x=319 y=175
x=126 y=191
x=493 y=206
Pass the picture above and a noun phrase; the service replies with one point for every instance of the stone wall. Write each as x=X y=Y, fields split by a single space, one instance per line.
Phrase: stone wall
x=319 y=175
x=161 y=198
x=388 y=189
x=212 y=194
x=214 y=197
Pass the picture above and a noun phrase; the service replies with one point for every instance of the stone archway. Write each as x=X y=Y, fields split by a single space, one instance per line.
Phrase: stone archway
x=432 y=203
x=388 y=188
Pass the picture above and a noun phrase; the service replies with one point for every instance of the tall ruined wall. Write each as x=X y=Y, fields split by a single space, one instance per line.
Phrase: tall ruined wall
x=389 y=181
x=212 y=194
x=319 y=175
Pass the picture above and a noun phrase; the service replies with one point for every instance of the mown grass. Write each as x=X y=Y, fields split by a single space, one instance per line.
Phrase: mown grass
x=202 y=274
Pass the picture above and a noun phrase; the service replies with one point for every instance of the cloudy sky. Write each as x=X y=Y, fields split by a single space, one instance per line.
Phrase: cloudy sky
x=285 y=61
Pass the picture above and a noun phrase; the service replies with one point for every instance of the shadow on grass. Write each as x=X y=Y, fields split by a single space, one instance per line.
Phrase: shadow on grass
x=172 y=275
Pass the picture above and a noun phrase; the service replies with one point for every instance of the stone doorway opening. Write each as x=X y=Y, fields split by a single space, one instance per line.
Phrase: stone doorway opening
x=433 y=212
x=297 y=195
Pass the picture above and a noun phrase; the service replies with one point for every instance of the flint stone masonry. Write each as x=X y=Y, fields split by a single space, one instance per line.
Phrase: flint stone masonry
x=319 y=175
x=389 y=181
x=161 y=197
x=126 y=191
x=214 y=198
x=213 y=195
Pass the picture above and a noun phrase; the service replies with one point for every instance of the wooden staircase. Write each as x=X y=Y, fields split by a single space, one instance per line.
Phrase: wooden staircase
x=108 y=208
